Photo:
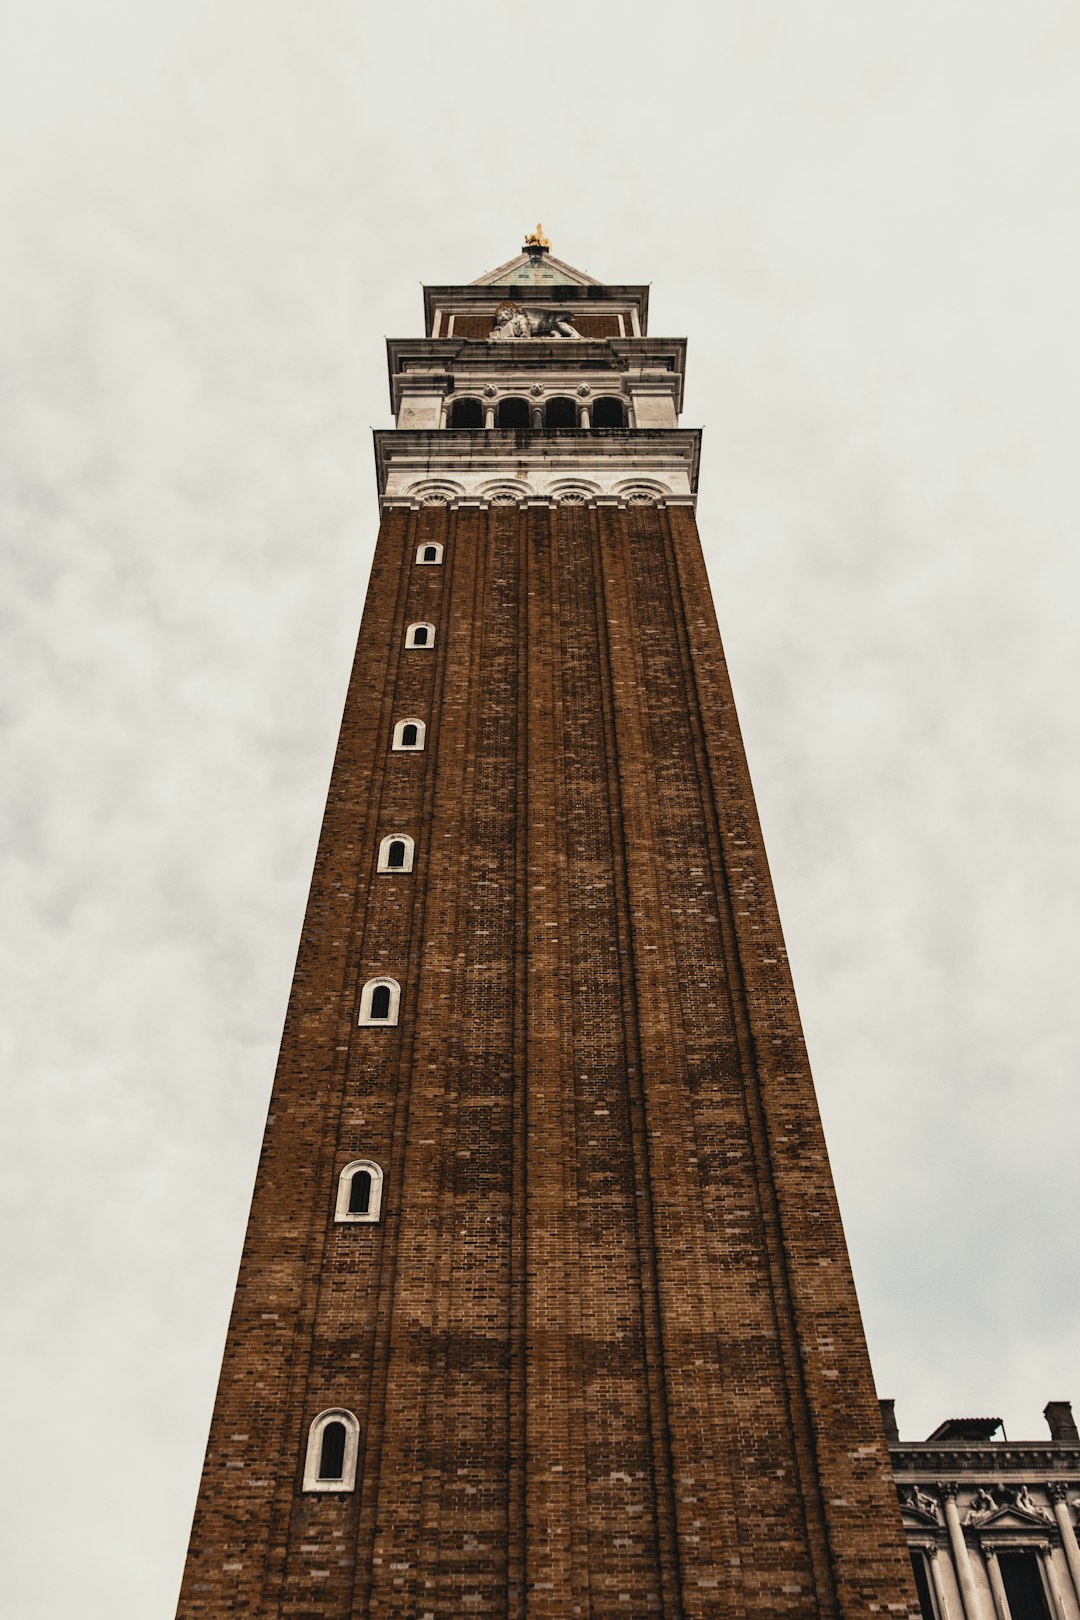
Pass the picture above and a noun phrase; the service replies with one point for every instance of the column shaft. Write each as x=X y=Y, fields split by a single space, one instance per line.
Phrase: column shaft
x=1047 y=1556
x=938 y=1583
x=969 y=1596
x=1068 y=1541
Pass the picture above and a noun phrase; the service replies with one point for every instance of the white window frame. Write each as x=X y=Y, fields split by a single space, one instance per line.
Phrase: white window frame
x=347 y=1482
x=384 y=852
x=399 y=747
x=410 y=634
x=342 y=1212
x=365 y=1003
x=429 y=562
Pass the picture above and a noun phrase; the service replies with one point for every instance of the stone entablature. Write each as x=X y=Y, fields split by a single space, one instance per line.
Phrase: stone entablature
x=632 y=467
x=967 y=1506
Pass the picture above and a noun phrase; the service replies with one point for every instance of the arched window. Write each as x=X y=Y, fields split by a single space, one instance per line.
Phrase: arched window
x=408 y=736
x=560 y=413
x=512 y=413
x=466 y=413
x=608 y=412
x=420 y=635
x=379 y=1002
x=396 y=853
x=332 y=1449
x=432 y=552
x=359 y=1193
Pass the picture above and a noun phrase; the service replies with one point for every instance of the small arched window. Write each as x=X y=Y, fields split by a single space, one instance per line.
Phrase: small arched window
x=432 y=552
x=379 y=1002
x=396 y=853
x=332 y=1449
x=608 y=412
x=359 y=1193
x=420 y=635
x=466 y=413
x=513 y=413
x=560 y=413
x=408 y=736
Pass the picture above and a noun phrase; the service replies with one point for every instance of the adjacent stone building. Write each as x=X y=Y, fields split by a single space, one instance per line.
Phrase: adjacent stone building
x=990 y=1522
x=544 y=1308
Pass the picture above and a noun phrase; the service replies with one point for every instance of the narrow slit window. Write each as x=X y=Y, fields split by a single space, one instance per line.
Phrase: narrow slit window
x=420 y=635
x=380 y=1002
x=431 y=552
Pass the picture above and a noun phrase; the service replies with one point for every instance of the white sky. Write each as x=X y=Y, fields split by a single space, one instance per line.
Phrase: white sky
x=864 y=219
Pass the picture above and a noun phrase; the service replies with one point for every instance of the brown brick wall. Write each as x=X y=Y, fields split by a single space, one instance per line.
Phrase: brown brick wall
x=604 y=1345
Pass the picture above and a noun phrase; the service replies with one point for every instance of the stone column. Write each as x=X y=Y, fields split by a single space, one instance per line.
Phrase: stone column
x=537 y=414
x=969 y=1595
x=997 y=1586
x=489 y=414
x=584 y=414
x=1046 y=1553
x=937 y=1582
x=1059 y=1492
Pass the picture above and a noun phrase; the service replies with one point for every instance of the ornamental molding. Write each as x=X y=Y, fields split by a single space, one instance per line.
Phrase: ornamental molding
x=973 y=1464
x=513 y=491
x=436 y=491
x=1019 y=1510
x=919 y=1504
x=410 y=502
x=501 y=491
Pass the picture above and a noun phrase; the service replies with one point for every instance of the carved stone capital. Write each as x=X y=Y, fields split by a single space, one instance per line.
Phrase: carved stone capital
x=949 y=1489
x=1059 y=1490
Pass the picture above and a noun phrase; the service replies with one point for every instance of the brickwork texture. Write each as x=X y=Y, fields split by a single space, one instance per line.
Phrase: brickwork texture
x=603 y=1344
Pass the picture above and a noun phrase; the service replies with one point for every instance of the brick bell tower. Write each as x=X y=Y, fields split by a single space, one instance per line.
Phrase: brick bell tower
x=544 y=1308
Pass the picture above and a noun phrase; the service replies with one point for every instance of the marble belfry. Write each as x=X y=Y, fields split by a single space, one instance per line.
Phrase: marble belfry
x=544 y=1307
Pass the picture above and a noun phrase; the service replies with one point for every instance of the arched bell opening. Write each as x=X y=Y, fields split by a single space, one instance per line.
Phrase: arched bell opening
x=466 y=413
x=608 y=412
x=512 y=413
x=560 y=413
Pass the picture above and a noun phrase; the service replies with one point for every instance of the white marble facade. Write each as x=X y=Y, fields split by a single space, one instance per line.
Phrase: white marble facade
x=985 y=1517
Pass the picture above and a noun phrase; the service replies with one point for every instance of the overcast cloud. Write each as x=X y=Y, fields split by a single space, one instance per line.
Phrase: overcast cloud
x=864 y=219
